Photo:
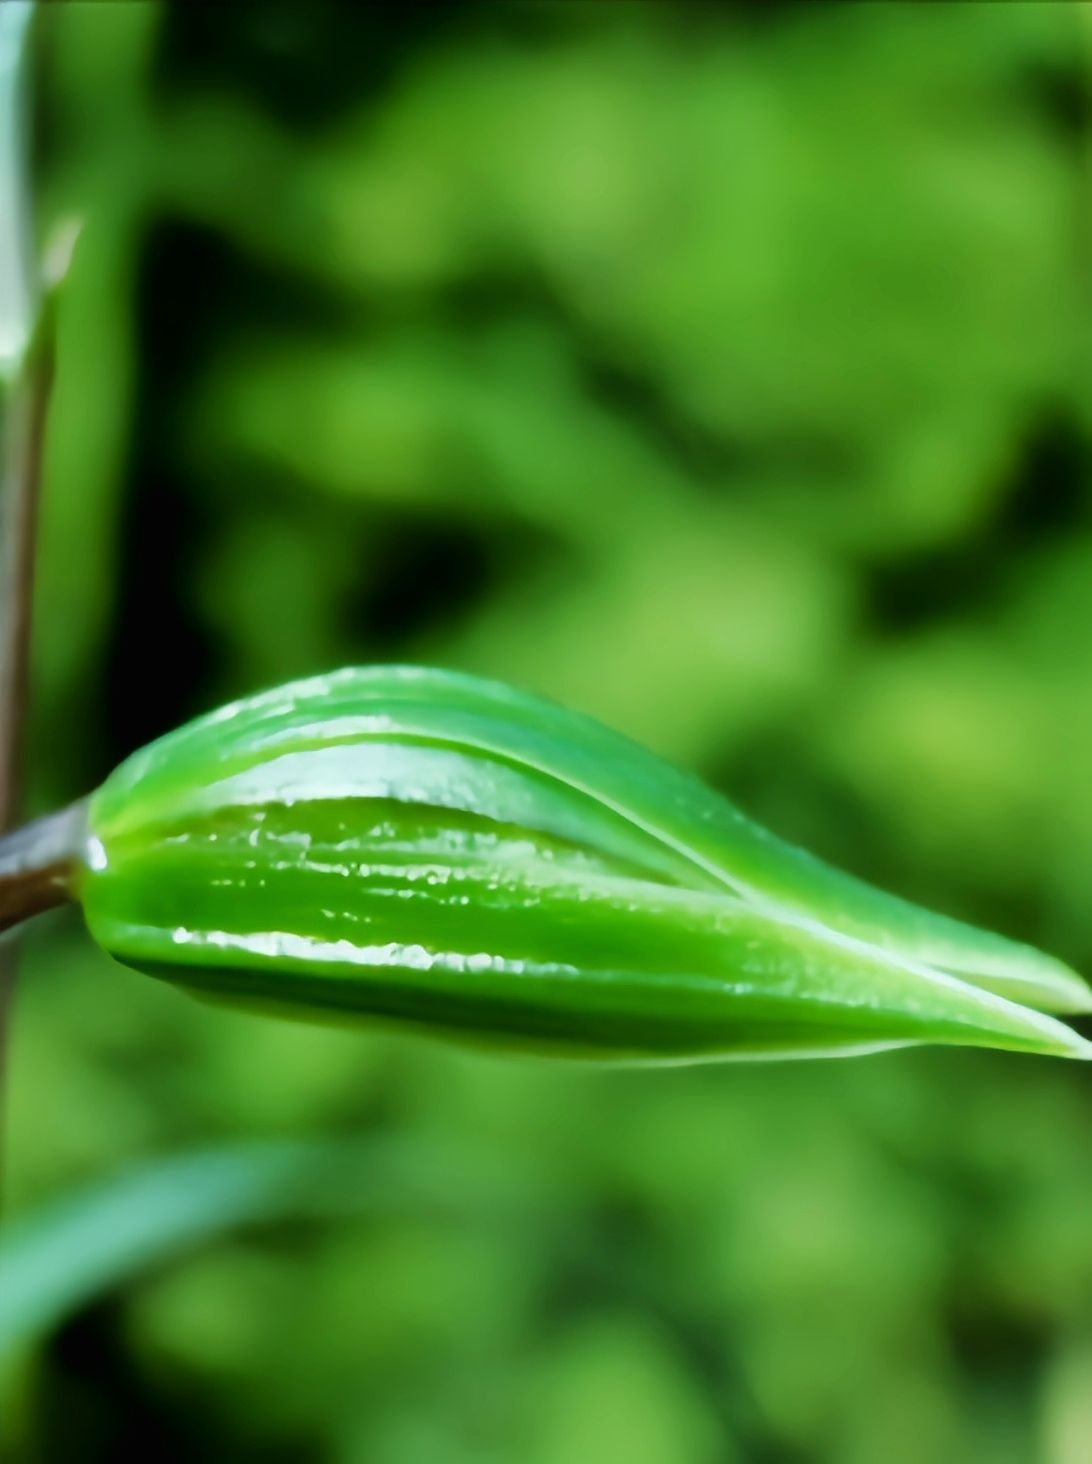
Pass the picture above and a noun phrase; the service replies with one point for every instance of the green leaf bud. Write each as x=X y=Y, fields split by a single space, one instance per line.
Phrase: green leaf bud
x=454 y=855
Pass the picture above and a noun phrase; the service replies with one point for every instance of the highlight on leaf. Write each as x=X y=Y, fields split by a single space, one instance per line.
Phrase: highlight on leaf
x=424 y=847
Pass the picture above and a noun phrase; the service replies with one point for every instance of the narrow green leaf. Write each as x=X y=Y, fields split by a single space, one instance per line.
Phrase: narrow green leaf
x=17 y=305
x=56 y=1259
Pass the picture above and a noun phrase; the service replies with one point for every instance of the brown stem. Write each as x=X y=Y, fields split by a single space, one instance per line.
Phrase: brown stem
x=36 y=864
x=24 y=397
x=22 y=470
x=25 y=437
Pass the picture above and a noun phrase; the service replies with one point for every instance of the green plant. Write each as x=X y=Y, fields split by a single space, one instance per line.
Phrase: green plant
x=715 y=374
x=399 y=843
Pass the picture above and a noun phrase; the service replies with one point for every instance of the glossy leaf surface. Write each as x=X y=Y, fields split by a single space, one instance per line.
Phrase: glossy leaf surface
x=450 y=853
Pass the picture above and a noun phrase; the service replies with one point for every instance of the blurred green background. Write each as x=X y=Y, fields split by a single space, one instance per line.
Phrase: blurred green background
x=723 y=371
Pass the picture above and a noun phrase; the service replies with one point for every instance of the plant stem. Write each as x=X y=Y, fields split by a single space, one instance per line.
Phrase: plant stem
x=24 y=394
x=22 y=444
x=36 y=864
x=23 y=441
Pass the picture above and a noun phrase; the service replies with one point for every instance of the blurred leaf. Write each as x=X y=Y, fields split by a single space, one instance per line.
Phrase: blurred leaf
x=54 y=1261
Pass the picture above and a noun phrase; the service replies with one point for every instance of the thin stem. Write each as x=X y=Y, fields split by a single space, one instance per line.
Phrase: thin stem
x=36 y=864
x=25 y=385
x=23 y=442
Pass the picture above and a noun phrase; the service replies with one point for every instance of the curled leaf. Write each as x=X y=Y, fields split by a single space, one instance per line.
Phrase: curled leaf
x=446 y=852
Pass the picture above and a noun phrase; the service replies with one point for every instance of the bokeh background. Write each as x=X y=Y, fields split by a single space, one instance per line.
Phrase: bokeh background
x=723 y=371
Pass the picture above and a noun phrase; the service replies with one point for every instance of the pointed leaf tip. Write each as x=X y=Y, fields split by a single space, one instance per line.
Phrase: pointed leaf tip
x=421 y=846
